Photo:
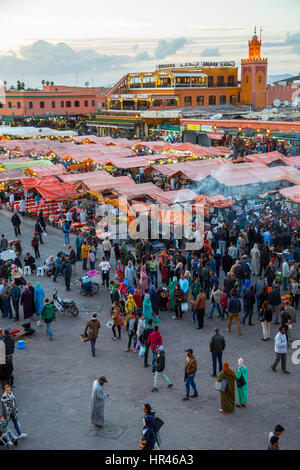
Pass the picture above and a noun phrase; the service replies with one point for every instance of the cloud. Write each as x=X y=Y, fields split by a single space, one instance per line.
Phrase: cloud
x=210 y=52
x=169 y=47
x=291 y=40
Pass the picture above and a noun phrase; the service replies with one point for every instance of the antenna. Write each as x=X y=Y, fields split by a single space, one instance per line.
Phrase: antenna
x=260 y=34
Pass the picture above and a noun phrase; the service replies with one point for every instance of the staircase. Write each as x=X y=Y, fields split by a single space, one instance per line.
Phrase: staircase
x=119 y=88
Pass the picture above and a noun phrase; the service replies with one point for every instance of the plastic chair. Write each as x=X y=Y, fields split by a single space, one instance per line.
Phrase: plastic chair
x=27 y=270
x=40 y=271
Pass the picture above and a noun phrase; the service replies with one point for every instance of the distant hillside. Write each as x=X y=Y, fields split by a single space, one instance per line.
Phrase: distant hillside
x=275 y=78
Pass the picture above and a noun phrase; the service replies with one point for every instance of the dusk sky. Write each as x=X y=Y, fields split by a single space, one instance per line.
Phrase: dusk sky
x=99 y=41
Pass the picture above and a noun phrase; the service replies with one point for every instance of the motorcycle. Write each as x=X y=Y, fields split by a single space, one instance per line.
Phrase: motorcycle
x=64 y=305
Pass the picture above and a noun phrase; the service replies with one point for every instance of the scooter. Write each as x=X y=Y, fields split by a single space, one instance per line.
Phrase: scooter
x=66 y=305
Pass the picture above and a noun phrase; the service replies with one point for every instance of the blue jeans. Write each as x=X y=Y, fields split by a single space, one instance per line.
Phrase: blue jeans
x=67 y=238
x=214 y=304
x=93 y=343
x=190 y=381
x=222 y=247
x=49 y=331
x=6 y=306
x=16 y=424
x=216 y=356
x=240 y=282
x=249 y=313
x=57 y=271
x=154 y=356
x=153 y=277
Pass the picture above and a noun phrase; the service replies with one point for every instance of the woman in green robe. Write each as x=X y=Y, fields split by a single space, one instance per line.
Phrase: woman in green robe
x=147 y=309
x=242 y=391
x=227 y=397
x=171 y=288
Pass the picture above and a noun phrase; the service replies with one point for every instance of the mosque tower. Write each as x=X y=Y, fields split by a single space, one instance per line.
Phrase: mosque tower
x=254 y=75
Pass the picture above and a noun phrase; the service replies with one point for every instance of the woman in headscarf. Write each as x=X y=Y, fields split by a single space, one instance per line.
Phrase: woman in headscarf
x=147 y=309
x=228 y=396
x=27 y=302
x=123 y=289
x=255 y=259
x=137 y=298
x=242 y=372
x=153 y=298
x=129 y=274
x=130 y=307
x=147 y=441
x=120 y=271
x=171 y=288
x=163 y=268
x=143 y=279
x=39 y=297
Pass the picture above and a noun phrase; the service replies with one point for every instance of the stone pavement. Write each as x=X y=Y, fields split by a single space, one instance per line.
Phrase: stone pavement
x=54 y=380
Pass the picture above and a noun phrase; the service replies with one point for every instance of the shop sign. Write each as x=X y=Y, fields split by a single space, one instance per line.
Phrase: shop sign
x=193 y=127
x=160 y=114
x=206 y=128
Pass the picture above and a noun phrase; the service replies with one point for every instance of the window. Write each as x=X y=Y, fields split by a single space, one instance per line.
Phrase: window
x=1 y=105
x=223 y=99
x=9 y=104
x=247 y=78
x=231 y=80
x=18 y=105
x=210 y=81
x=62 y=104
x=220 y=80
x=42 y=104
x=53 y=104
x=232 y=99
x=200 y=100
x=86 y=103
x=93 y=103
x=30 y=104
x=259 y=79
x=212 y=100
x=77 y=104
x=187 y=101
x=68 y=104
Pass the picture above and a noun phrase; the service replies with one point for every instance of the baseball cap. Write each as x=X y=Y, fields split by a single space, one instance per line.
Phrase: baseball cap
x=189 y=350
x=103 y=379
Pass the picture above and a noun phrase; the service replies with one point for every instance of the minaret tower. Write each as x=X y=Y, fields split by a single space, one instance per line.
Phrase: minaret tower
x=254 y=75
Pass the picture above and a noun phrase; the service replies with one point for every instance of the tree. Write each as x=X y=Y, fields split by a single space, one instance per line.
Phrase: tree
x=47 y=82
x=43 y=82
x=19 y=85
x=51 y=83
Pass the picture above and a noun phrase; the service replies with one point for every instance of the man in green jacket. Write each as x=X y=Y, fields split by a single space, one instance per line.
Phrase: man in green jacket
x=47 y=315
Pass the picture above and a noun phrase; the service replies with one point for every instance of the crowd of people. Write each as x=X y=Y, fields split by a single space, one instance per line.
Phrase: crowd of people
x=249 y=265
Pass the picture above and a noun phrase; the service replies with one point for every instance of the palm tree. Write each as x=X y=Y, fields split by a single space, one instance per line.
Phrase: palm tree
x=51 y=83
x=43 y=82
x=47 y=82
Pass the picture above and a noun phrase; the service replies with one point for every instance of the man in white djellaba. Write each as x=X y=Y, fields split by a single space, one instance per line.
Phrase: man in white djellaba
x=97 y=402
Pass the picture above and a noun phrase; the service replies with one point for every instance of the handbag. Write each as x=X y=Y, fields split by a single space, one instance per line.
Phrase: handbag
x=138 y=345
x=45 y=234
x=158 y=423
x=84 y=338
x=221 y=386
x=184 y=307
x=142 y=351
x=110 y=324
x=241 y=381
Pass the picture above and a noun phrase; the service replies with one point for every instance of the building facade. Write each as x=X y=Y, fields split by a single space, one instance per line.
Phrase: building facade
x=53 y=100
x=176 y=86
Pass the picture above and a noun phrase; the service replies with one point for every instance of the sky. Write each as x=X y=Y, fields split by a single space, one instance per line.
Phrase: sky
x=74 y=41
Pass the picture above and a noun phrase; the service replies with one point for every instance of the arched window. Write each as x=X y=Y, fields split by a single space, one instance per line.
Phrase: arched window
x=200 y=100
x=259 y=79
x=223 y=99
x=212 y=100
x=231 y=80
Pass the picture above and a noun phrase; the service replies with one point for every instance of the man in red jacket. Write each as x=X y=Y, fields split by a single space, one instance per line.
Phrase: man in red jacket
x=154 y=340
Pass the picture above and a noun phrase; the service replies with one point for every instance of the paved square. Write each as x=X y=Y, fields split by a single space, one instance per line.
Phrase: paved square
x=54 y=380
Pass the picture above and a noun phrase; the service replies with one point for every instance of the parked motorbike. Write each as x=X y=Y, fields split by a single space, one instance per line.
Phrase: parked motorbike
x=64 y=305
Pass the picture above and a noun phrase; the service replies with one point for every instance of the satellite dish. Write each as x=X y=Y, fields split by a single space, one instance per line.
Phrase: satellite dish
x=286 y=103
x=216 y=116
x=277 y=103
x=87 y=83
x=265 y=117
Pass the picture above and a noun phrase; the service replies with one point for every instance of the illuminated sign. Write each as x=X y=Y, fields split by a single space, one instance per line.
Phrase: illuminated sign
x=197 y=64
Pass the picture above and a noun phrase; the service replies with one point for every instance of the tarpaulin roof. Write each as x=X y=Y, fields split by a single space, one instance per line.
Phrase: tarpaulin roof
x=12 y=175
x=58 y=170
x=98 y=175
x=32 y=183
x=109 y=183
x=292 y=193
x=147 y=189
x=25 y=163
x=173 y=197
x=54 y=190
